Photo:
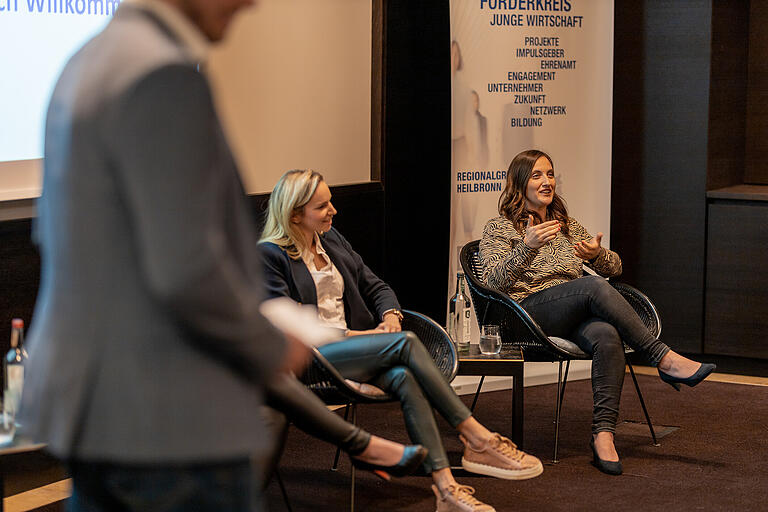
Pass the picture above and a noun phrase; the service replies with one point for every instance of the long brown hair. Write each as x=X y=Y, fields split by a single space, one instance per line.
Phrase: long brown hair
x=512 y=200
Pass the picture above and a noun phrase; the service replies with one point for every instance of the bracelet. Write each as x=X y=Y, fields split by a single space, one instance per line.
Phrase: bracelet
x=395 y=312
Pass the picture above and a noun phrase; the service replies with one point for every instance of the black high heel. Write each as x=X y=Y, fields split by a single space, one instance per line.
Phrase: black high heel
x=702 y=373
x=606 y=466
x=413 y=456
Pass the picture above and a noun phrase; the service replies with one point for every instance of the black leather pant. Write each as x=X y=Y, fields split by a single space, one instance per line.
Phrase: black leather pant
x=399 y=364
x=305 y=410
x=99 y=486
x=592 y=314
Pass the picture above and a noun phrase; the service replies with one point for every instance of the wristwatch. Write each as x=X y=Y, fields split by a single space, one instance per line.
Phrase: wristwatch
x=396 y=312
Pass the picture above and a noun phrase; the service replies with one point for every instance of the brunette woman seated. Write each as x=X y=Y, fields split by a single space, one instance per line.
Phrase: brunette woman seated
x=534 y=252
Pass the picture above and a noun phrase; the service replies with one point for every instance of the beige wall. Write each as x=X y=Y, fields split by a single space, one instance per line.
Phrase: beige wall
x=293 y=87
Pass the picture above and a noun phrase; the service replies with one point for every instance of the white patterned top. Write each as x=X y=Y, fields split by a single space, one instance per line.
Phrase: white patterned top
x=513 y=268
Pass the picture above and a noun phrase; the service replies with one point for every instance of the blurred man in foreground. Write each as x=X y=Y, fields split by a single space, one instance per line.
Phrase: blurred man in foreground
x=147 y=349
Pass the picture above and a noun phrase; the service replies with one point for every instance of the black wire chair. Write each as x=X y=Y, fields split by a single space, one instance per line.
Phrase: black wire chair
x=519 y=329
x=330 y=386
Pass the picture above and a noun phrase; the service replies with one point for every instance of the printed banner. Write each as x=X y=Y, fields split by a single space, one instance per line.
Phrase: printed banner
x=529 y=74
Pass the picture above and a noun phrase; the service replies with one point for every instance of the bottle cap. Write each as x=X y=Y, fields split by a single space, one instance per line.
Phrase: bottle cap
x=17 y=323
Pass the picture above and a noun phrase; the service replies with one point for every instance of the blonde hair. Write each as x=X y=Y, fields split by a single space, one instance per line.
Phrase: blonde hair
x=292 y=192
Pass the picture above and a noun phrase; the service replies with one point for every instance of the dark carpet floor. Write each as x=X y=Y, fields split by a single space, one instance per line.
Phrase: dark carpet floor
x=717 y=458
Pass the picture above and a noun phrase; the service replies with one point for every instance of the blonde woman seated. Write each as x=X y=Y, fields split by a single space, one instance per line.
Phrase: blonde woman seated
x=534 y=252
x=305 y=259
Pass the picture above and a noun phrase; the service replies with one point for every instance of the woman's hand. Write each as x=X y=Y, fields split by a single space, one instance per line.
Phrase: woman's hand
x=538 y=235
x=391 y=323
x=588 y=250
x=297 y=355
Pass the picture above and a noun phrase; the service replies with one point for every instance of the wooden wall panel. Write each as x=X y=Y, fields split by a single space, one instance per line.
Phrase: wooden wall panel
x=737 y=279
x=756 y=170
x=728 y=94
x=660 y=157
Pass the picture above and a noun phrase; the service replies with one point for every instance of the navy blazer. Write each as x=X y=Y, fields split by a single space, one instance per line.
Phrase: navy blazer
x=366 y=296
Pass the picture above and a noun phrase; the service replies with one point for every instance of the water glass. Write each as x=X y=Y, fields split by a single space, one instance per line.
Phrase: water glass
x=7 y=425
x=490 y=339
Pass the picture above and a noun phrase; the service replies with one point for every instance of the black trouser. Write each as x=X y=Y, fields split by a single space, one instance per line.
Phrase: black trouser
x=289 y=396
x=213 y=487
x=592 y=314
x=399 y=364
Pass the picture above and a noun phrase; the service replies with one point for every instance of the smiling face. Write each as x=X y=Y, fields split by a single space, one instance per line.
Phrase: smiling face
x=317 y=215
x=541 y=187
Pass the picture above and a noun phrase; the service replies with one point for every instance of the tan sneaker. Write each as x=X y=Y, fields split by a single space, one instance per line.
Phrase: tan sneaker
x=365 y=388
x=458 y=498
x=500 y=458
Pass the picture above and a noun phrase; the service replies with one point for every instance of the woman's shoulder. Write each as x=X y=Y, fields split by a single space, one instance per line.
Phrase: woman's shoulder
x=499 y=226
x=269 y=246
x=271 y=250
x=499 y=221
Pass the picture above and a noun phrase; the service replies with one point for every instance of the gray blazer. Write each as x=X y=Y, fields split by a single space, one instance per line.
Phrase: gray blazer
x=146 y=343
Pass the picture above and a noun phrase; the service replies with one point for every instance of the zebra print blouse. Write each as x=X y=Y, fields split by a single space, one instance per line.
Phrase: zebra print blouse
x=512 y=267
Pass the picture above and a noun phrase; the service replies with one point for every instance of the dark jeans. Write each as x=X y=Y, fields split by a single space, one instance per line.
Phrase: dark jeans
x=286 y=394
x=592 y=314
x=107 y=487
x=399 y=364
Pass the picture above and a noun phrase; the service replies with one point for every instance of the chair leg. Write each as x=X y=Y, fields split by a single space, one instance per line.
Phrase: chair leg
x=561 y=382
x=338 y=449
x=477 y=393
x=642 y=403
x=352 y=476
x=565 y=381
x=559 y=403
x=557 y=410
x=282 y=490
